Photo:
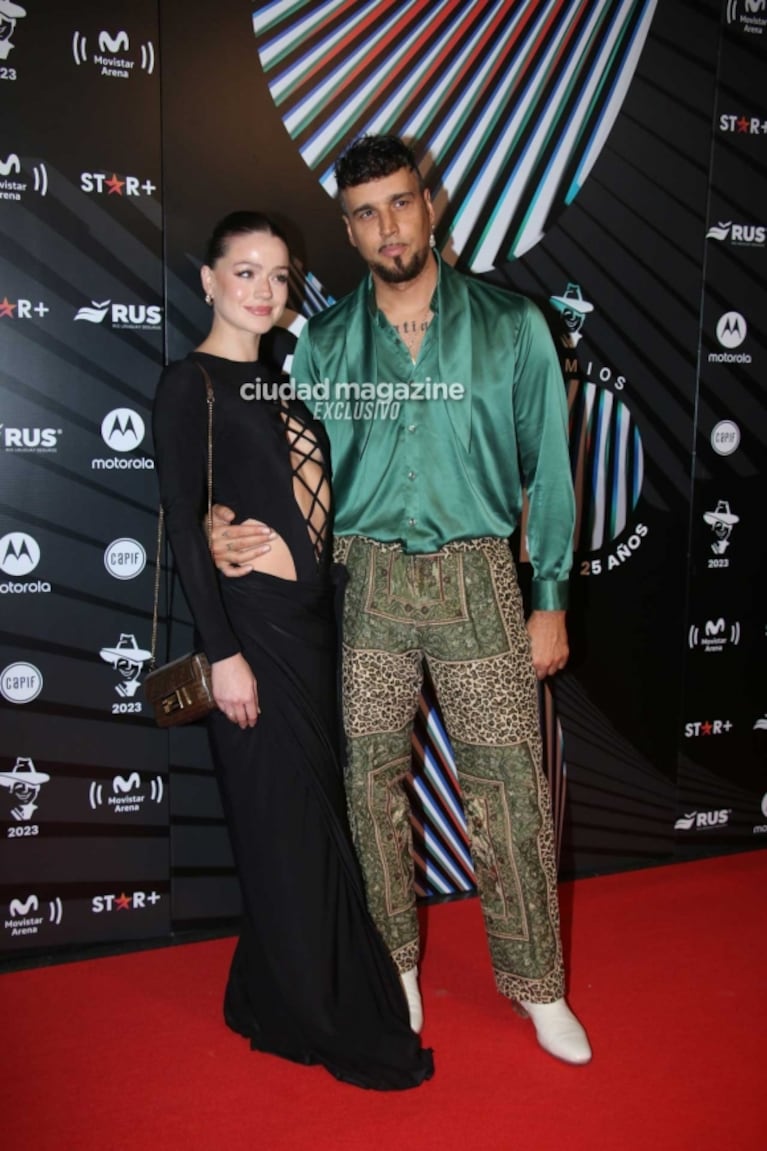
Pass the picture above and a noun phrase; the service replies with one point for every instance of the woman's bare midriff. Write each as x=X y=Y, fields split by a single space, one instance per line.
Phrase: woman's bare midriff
x=277 y=562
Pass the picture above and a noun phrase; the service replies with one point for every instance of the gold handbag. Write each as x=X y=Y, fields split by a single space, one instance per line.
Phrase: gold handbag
x=181 y=692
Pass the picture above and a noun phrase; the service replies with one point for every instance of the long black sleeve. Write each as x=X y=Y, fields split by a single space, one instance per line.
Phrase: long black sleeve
x=180 y=430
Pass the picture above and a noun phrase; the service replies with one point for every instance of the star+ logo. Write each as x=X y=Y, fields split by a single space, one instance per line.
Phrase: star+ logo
x=101 y=184
x=742 y=125
x=708 y=727
x=138 y=901
x=22 y=309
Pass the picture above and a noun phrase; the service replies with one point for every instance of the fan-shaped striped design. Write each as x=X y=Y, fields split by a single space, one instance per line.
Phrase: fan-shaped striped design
x=440 y=839
x=508 y=103
x=607 y=461
x=443 y=864
x=307 y=295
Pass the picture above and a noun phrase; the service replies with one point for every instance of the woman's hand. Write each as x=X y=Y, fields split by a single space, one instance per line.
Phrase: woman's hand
x=235 y=690
x=235 y=546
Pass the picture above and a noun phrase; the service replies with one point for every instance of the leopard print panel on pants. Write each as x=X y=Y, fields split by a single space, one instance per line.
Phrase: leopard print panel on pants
x=460 y=611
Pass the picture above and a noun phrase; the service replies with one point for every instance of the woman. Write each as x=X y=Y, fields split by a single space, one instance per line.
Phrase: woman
x=311 y=979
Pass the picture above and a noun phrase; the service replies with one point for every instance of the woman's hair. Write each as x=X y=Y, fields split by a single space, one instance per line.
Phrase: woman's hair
x=238 y=224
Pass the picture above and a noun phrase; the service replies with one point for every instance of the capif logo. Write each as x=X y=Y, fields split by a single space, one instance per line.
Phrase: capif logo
x=125 y=559
x=725 y=437
x=20 y=682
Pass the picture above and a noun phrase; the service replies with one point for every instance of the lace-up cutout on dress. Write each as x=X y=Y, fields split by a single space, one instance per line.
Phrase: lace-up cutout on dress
x=310 y=482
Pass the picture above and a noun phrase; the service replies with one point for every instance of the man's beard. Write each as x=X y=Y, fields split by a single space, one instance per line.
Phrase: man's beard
x=401 y=273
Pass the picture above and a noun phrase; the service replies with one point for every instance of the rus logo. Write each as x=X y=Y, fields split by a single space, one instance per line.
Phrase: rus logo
x=703 y=820
x=29 y=439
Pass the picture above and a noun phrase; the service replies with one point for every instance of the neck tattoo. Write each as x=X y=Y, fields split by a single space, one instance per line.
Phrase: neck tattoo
x=411 y=332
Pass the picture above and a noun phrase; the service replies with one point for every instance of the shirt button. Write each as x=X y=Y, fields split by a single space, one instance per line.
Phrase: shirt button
x=411 y=522
x=411 y=427
x=411 y=475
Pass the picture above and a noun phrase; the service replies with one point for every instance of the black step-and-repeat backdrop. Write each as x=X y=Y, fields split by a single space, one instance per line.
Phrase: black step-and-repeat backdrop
x=608 y=159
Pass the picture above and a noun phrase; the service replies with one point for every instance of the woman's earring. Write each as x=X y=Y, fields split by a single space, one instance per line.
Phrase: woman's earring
x=432 y=241
x=208 y=299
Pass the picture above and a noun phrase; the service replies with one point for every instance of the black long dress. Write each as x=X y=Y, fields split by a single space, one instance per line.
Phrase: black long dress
x=311 y=979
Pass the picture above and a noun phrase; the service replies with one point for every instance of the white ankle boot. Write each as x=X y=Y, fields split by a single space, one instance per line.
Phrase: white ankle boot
x=409 y=980
x=558 y=1031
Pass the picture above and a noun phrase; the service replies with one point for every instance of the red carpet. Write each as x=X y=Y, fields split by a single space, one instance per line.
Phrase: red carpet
x=667 y=970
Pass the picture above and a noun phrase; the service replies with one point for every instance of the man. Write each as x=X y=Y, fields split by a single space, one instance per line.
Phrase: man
x=425 y=504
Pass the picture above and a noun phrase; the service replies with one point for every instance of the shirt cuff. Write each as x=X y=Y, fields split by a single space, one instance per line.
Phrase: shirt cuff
x=550 y=594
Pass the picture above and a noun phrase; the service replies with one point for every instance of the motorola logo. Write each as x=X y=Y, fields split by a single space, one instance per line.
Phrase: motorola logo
x=731 y=330
x=122 y=430
x=19 y=554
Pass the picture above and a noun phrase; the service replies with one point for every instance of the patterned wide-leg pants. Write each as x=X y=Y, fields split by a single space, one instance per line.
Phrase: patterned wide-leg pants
x=460 y=611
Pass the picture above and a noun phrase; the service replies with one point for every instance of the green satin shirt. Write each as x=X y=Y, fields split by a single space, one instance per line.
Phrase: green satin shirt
x=424 y=471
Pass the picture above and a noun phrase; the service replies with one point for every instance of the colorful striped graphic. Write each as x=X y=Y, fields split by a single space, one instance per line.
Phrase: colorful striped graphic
x=607 y=461
x=508 y=103
x=443 y=864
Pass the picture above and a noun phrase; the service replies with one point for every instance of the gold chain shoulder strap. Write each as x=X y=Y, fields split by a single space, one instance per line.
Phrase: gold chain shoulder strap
x=210 y=400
